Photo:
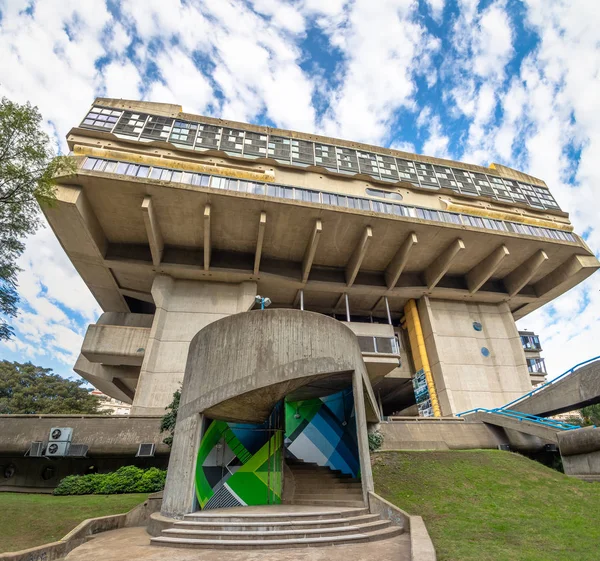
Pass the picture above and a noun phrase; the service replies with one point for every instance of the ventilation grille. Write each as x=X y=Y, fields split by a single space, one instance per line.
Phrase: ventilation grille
x=78 y=450
x=36 y=450
x=145 y=450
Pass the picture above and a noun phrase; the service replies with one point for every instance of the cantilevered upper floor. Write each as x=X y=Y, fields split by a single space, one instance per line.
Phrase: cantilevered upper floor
x=159 y=191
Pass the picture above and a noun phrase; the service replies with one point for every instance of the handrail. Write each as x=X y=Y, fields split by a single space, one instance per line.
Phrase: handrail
x=539 y=388
x=551 y=423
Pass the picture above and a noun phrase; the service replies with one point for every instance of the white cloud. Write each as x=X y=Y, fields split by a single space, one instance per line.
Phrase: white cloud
x=437 y=142
x=384 y=50
x=436 y=7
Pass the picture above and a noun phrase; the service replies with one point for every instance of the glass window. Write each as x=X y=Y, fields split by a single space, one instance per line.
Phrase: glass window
x=143 y=171
x=122 y=167
x=110 y=167
x=132 y=169
x=384 y=194
x=89 y=163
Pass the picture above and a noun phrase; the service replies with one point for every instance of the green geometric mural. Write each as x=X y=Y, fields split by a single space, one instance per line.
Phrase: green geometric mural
x=239 y=464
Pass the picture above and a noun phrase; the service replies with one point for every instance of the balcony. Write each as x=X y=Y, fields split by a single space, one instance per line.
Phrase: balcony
x=115 y=345
x=531 y=343
x=379 y=346
x=536 y=366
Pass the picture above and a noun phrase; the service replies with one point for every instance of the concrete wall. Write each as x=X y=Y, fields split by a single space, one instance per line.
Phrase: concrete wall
x=105 y=435
x=42 y=475
x=580 y=452
x=183 y=308
x=464 y=377
x=239 y=367
x=429 y=434
x=438 y=435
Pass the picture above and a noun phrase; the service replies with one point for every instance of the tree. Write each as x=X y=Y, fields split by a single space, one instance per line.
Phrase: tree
x=591 y=415
x=29 y=389
x=28 y=167
x=167 y=423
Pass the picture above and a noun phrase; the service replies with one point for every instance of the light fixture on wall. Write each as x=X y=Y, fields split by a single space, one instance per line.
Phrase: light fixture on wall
x=297 y=415
x=263 y=301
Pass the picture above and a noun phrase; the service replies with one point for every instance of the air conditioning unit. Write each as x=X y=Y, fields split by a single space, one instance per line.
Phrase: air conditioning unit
x=36 y=450
x=145 y=451
x=60 y=434
x=57 y=449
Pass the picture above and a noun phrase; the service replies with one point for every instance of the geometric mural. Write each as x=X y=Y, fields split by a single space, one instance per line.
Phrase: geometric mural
x=323 y=431
x=239 y=464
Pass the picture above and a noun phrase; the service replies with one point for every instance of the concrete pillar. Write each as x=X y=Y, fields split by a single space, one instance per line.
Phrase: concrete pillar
x=180 y=488
x=183 y=307
x=362 y=436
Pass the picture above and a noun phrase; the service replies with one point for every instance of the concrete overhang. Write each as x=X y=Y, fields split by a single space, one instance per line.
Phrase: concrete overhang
x=113 y=242
x=115 y=344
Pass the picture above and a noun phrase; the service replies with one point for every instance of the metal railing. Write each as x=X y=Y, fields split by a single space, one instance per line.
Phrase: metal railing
x=381 y=345
x=542 y=421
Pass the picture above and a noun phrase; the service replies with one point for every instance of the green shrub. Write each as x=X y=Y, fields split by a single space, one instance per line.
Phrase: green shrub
x=375 y=441
x=127 y=479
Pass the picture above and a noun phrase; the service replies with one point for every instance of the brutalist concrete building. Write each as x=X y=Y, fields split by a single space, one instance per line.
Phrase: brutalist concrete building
x=391 y=282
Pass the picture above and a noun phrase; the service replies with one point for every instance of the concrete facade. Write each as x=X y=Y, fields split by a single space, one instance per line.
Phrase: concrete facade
x=473 y=367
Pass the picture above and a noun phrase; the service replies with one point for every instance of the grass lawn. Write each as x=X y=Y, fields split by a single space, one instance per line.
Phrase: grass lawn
x=29 y=520
x=491 y=505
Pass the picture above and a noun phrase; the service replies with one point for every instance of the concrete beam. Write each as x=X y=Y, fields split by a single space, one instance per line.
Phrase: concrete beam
x=207 y=245
x=397 y=264
x=311 y=249
x=155 y=238
x=341 y=300
x=482 y=272
x=516 y=280
x=564 y=273
x=441 y=264
x=119 y=384
x=262 y=224
x=358 y=255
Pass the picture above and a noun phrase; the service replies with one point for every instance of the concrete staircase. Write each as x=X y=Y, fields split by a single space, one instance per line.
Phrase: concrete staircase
x=276 y=527
x=315 y=485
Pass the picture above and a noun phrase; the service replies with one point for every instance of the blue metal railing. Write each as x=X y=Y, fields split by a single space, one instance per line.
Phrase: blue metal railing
x=558 y=378
x=542 y=421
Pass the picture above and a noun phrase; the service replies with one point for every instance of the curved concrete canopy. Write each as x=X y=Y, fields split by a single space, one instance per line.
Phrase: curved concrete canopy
x=239 y=367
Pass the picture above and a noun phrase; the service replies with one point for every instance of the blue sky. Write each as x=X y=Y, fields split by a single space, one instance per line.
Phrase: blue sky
x=480 y=81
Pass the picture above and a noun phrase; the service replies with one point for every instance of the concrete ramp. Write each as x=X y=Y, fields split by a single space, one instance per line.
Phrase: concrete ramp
x=521 y=424
x=575 y=390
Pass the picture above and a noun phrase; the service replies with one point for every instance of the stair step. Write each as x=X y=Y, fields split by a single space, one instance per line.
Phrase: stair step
x=336 y=502
x=313 y=514
x=264 y=534
x=382 y=534
x=326 y=495
x=279 y=525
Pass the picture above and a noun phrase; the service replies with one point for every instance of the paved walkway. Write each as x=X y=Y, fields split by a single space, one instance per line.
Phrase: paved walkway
x=133 y=544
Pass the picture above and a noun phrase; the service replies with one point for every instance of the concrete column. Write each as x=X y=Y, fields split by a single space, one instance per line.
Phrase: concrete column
x=362 y=436
x=183 y=307
x=180 y=493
